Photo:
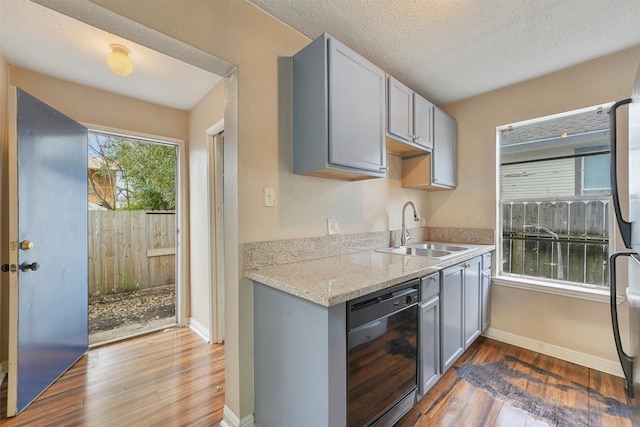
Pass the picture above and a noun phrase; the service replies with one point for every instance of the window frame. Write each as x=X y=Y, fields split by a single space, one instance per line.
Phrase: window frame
x=539 y=284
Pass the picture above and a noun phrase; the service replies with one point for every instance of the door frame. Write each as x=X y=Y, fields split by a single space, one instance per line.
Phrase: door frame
x=215 y=195
x=181 y=201
x=12 y=342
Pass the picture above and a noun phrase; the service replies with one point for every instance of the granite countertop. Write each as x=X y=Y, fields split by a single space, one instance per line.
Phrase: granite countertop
x=334 y=280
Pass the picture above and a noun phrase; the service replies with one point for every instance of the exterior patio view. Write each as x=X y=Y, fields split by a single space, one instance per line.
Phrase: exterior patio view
x=132 y=236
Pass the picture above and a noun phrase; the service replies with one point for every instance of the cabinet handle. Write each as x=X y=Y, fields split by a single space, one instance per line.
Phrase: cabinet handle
x=383 y=168
x=417 y=138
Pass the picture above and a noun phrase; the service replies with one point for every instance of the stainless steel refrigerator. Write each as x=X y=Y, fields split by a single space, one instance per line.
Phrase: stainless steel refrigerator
x=630 y=230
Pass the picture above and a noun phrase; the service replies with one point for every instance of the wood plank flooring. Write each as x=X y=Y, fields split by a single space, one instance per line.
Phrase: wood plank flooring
x=171 y=378
x=497 y=384
x=168 y=378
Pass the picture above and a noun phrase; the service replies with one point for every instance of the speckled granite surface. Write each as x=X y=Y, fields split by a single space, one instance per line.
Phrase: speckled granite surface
x=333 y=280
x=309 y=268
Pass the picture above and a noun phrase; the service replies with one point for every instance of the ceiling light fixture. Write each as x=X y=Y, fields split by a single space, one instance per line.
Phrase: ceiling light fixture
x=119 y=61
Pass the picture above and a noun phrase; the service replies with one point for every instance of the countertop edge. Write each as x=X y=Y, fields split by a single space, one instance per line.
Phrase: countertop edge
x=272 y=276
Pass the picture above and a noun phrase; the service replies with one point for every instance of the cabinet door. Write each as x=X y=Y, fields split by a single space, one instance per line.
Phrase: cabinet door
x=451 y=315
x=486 y=298
x=400 y=124
x=472 y=298
x=429 y=344
x=486 y=291
x=356 y=110
x=443 y=158
x=423 y=121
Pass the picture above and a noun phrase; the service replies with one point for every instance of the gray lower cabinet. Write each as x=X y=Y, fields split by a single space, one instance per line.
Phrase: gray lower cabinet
x=451 y=315
x=429 y=350
x=472 y=300
x=300 y=362
x=460 y=303
x=338 y=113
x=429 y=339
x=486 y=290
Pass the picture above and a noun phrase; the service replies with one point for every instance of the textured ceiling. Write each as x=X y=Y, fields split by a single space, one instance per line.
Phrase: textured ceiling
x=43 y=40
x=453 y=49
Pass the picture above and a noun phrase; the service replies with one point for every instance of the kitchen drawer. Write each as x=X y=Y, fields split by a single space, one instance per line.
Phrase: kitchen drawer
x=429 y=286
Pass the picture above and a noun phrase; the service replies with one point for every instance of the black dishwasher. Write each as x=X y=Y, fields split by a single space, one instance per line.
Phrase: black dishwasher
x=382 y=355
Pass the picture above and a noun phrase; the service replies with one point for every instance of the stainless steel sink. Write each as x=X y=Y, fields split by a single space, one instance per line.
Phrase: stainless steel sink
x=416 y=251
x=439 y=247
x=426 y=249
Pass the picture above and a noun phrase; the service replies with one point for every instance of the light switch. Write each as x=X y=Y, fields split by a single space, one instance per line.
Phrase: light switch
x=269 y=196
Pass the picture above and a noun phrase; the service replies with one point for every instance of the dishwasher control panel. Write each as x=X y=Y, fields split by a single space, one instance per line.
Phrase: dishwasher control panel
x=382 y=303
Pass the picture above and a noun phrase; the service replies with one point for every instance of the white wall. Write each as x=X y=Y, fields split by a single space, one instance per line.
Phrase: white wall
x=207 y=112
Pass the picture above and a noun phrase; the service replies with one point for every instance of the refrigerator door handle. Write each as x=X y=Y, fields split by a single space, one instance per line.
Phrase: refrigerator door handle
x=625 y=360
x=623 y=225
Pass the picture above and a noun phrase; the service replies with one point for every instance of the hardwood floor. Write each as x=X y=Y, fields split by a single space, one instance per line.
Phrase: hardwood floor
x=168 y=378
x=173 y=378
x=497 y=384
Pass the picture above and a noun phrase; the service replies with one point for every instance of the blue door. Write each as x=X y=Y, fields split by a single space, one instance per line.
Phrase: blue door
x=48 y=285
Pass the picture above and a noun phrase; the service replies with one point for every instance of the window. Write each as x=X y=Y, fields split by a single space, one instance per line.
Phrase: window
x=554 y=193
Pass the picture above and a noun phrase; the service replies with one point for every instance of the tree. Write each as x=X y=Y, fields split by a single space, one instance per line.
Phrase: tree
x=141 y=174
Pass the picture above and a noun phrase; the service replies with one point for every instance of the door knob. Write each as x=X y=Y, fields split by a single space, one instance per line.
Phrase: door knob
x=26 y=245
x=26 y=266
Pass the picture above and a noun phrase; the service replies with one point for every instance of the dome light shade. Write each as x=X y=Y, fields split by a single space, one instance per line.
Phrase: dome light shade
x=119 y=61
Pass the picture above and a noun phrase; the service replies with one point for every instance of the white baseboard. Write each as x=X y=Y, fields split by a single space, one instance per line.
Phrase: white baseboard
x=231 y=420
x=199 y=329
x=582 y=359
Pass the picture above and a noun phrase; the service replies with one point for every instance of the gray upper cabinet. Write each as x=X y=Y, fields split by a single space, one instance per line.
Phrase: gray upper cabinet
x=409 y=120
x=338 y=113
x=423 y=121
x=444 y=149
x=435 y=171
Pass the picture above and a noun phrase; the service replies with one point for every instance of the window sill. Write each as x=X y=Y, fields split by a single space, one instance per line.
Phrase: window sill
x=597 y=295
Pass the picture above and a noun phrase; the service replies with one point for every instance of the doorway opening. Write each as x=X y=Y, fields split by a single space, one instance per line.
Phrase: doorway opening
x=132 y=235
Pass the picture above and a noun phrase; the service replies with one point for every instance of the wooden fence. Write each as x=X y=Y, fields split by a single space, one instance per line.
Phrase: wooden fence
x=130 y=250
x=582 y=239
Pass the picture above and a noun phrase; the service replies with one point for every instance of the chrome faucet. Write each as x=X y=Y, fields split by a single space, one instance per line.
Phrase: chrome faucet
x=404 y=236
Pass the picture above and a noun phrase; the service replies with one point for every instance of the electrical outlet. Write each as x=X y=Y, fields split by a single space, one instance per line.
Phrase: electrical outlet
x=269 y=196
x=332 y=226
